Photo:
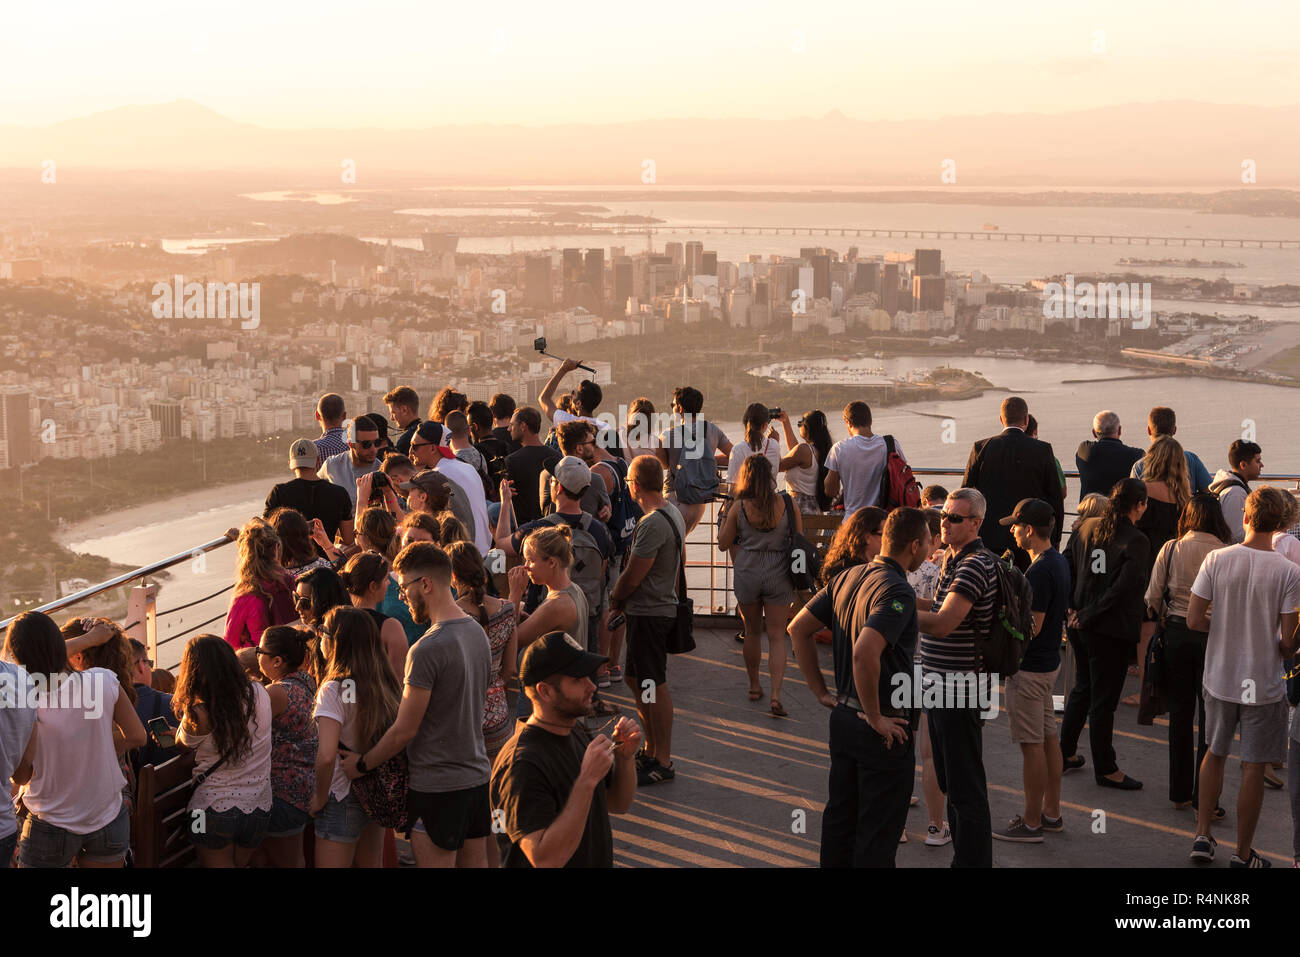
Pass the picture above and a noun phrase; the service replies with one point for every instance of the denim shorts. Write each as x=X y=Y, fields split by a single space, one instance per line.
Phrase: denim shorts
x=286 y=820
x=45 y=845
x=342 y=821
x=222 y=828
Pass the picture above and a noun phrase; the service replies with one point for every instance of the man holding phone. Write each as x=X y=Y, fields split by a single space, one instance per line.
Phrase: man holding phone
x=155 y=711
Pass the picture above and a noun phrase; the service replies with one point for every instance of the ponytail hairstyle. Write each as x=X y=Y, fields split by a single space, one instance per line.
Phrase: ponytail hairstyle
x=1124 y=497
x=755 y=483
x=756 y=421
x=362 y=571
x=287 y=643
x=380 y=529
x=467 y=568
x=552 y=541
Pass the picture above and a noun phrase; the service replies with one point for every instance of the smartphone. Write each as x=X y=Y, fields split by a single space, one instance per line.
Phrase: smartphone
x=162 y=732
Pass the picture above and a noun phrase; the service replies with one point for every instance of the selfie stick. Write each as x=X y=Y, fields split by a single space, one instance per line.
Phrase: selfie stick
x=561 y=358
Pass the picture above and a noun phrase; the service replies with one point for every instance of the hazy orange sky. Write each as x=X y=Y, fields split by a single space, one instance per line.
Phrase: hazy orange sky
x=396 y=65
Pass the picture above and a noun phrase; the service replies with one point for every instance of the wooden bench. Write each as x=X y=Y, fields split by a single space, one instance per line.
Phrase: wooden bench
x=158 y=828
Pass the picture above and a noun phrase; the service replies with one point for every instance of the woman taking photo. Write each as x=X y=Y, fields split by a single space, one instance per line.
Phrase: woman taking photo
x=356 y=670
x=281 y=655
x=227 y=719
x=263 y=593
x=759 y=524
x=548 y=556
x=1201 y=529
x=1108 y=560
x=760 y=439
x=366 y=577
x=71 y=763
x=805 y=464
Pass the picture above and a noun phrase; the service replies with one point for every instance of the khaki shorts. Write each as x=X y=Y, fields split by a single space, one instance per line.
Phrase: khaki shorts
x=1029 y=706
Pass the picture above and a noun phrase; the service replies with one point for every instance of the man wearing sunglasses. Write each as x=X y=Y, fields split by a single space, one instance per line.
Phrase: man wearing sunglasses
x=361 y=458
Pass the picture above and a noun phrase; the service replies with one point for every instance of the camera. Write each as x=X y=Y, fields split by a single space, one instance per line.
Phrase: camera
x=377 y=486
x=540 y=343
x=774 y=413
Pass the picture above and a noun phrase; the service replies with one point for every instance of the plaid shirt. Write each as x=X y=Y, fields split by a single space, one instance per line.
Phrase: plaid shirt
x=331 y=443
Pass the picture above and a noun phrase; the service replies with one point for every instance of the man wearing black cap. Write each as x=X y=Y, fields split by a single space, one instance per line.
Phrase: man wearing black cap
x=1030 y=708
x=552 y=785
x=872 y=614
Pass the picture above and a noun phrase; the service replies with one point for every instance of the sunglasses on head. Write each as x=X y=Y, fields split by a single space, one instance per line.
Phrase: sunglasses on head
x=953 y=518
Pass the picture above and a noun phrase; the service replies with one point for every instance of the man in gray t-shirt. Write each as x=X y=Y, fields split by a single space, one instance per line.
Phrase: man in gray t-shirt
x=647 y=592
x=361 y=458
x=440 y=719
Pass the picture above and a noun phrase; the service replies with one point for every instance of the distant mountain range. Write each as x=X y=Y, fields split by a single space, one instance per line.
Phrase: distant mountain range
x=1174 y=143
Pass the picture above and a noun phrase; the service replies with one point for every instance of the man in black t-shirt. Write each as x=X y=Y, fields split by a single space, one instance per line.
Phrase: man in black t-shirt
x=871 y=611
x=554 y=785
x=525 y=466
x=502 y=408
x=313 y=497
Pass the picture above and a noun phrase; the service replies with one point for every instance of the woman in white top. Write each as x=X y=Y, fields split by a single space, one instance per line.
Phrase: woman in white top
x=641 y=436
x=760 y=439
x=356 y=671
x=71 y=767
x=226 y=718
x=803 y=463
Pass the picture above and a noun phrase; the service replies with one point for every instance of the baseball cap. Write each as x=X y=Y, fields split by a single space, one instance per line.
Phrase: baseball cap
x=302 y=454
x=557 y=653
x=1030 y=511
x=573 y=475
x=425 y=480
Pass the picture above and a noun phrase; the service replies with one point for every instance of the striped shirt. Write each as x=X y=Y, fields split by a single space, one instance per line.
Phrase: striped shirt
x=970 y=573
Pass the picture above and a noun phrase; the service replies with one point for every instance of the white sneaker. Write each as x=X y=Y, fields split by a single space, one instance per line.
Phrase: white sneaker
x=937 y=837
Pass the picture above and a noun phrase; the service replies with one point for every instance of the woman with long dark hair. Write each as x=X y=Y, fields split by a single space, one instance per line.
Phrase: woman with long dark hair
x=298 y=553
x=805 y=462
x=71 y=762
x=760 y=439
x=366 y=577
x=1201 y=529
x=856 y=542
x=357 y=702
x=759 y=523
x=314 y=594
x=377 y=531
x=1109 y=558
x=282 y=656
x=263 y=593
x=226 y=718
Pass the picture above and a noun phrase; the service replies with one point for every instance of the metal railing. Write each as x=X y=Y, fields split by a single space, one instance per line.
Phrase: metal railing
x=716 y=596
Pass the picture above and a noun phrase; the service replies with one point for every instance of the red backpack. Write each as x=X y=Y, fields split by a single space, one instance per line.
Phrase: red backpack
x=898 y=486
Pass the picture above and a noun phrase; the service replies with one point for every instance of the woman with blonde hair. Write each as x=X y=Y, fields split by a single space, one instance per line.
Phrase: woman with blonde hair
x=263 y=593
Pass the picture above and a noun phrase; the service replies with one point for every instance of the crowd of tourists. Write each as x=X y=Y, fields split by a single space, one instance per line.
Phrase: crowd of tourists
x=421 y=628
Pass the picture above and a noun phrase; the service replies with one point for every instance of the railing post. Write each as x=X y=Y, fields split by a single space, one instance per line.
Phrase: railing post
x=142 y=614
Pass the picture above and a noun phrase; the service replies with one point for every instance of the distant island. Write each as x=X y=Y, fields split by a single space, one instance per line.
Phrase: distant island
x=1185 y=263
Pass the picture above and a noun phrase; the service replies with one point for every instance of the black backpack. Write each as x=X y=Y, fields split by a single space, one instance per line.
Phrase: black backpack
x=1002 y=647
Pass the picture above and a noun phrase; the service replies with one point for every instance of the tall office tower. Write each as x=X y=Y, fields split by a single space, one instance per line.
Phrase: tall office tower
x=594 y=276
x=168 y=416
x=16 y=429
x=821 y=265
x=866 y=277
x=889 y=288
x=570 y=273
x=926 y=262
x=760 y=308
x=674 y=253
x=807 y=252
x=709 y=264
x=851 y=255
x=624 y=287
x=927 y=292
x=694 y=256
x=537 y=282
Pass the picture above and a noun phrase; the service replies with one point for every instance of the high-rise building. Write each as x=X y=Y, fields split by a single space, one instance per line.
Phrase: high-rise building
x=807 y=252
x=709 y=264
x=537 y=282
x=821 y=266
x=927 y=291
x=570 y=273
x=593 y=275
x=674 y=253
x=866 y=277
x=927 y=262
x=694 y=257
x=168 y=417
x=16 y=446
x=889 y=288
x=624 y=287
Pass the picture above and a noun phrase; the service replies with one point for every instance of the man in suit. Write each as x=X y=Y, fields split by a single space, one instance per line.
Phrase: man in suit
x=1107 y=460
x=1011 y=466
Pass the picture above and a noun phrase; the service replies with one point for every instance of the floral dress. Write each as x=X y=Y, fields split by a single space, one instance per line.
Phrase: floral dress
x=293 y=743
x=497 y=720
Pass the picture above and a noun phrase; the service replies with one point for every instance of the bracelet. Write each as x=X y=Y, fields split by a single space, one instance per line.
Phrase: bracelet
x=361 y=764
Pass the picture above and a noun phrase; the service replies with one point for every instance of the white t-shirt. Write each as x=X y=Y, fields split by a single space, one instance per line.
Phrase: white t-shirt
x=1250 y=588
x=76 y=779
x=330 y=704
x=743 y=450
x=560 y=417
x=244 y=784
x=802 y=480
x=1284 y=543
x=860 y=462
x=467 y=482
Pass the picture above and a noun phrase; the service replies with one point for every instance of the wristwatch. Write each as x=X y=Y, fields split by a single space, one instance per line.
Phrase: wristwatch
x=361 y=764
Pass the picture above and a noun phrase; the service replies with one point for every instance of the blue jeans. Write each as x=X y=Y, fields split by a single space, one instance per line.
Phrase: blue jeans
x=46 y=845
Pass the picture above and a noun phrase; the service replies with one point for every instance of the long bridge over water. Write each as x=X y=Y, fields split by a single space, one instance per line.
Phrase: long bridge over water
x=992 y=235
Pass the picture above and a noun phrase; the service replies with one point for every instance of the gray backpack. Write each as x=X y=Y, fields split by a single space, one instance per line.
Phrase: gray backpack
x=587 y=572
x=695 y=476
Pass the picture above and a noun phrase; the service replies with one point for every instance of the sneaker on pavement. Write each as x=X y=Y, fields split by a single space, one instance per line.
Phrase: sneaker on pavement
x=1253 y=861
x=1018 y=832
x=1203 y=848
x=654 y=773
x=937 y=837
x=1054 y=824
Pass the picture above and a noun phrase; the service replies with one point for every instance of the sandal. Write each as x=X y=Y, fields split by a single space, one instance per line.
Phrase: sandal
x=754 y=695
x=777 y=710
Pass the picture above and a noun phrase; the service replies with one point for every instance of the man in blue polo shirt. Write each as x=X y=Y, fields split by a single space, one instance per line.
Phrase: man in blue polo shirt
x=871 y=611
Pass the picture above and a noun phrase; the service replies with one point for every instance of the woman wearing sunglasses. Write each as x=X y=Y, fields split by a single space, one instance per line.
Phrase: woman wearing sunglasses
x=314 y=595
